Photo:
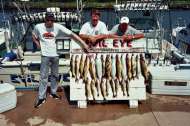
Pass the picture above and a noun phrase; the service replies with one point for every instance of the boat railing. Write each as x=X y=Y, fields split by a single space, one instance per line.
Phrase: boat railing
x=141 y=5
x=40 y=17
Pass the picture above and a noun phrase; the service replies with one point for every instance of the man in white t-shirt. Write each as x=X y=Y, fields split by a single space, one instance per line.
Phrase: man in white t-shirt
x=44 y=36
x=95 y=30
x=127 y=32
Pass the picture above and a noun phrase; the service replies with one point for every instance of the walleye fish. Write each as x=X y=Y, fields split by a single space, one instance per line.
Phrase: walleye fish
x=113 y=68
x=144 y=69
x=112 y=84
x=133 y=66
x=108 y=67
x=103 y=64
x=98 y=66
x=118 y=68
x=117 y=85
x=124 y=74
x=137 y=66
x=113 y=73
x=97 y=84
x=123 y=64
x=72 y=65
x=88 y=88
x=103 y=88
x=86 y=68
x=93 y=89
x=123 y=87
x=77 y=61
x=127 y=87
x=107 y=87
x=81 y=68
x=128 y=63
x=92 y=68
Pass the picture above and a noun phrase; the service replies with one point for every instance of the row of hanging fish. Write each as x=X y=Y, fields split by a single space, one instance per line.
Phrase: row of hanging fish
x=104 y=72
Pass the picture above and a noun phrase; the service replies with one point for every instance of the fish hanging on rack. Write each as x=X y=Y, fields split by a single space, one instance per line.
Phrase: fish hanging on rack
x=124 y=74
x=113 y=73
x=88 y=88
x=107 y=87
x=93 y=89
x=124 y=86
x=92 y=68
x=117 y=85
x=144 y=69
x=127 y=87
x=72 y=65
x=98 y=66
x=118 y=74
x=123 y=65
x=137 y=66
x=108 y=67
x=133 y=66
x=81 y=68
x=86 y=68
x=103 y=64
x=103 y=88
x=77 y=61
x=118 y=68
x=128 y=63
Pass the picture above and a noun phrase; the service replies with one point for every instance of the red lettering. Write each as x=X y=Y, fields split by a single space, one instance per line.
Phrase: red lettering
x=123 y=43
x=115 y=43
x=97 y=44
x=104 y=44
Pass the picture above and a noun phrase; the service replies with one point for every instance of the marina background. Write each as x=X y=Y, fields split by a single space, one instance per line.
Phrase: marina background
x=169 y=20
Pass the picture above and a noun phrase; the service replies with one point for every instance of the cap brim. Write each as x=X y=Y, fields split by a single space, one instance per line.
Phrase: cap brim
x=124 y=22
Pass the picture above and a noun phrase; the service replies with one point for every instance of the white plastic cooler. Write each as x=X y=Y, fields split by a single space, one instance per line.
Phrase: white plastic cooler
x=8 y=98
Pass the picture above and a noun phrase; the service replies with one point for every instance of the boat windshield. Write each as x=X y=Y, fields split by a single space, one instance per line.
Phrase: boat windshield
x=143 y=24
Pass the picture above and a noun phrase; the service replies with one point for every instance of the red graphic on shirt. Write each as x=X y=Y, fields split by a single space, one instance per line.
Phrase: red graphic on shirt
x=48 y=35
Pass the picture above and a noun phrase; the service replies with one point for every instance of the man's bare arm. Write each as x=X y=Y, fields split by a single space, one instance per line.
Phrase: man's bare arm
x=85 y=37
x=36 y=41
x=81 y=42
x=132 y=37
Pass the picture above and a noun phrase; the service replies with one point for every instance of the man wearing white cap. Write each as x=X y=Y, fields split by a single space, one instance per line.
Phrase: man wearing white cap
x=127 y=32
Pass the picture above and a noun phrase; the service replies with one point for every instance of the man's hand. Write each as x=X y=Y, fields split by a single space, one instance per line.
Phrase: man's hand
x=92 y=40
x=38 y=45
x=127 y=37
x=88 y=50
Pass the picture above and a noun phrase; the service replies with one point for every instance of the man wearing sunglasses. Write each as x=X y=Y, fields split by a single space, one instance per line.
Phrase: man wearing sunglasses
x=44 y=36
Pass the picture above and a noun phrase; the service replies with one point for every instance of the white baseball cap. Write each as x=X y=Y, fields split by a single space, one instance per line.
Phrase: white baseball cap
x=124 y=20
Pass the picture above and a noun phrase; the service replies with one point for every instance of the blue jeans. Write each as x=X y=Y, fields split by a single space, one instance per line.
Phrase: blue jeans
x=53 y=64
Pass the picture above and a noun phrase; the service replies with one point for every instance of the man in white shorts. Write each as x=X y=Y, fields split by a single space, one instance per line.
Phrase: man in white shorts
x=44 y=36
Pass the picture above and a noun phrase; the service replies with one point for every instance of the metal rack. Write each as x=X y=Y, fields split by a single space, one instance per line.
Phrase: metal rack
x=142 y=5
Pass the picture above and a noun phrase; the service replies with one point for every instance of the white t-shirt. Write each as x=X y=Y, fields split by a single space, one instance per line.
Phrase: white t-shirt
x=99 y=29
x=47 y=37
x=130 y=31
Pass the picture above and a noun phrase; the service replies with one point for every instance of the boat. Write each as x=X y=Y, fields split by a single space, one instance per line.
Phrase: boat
x=159 y=52
x=181 y=36
x=4 y=32
x=23 y=72
x=163 y=56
